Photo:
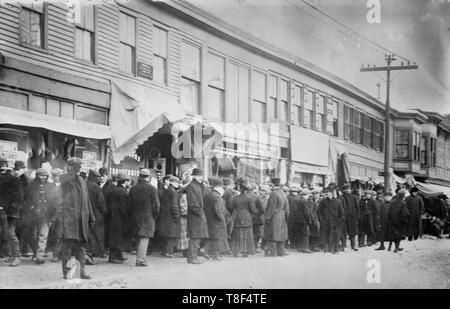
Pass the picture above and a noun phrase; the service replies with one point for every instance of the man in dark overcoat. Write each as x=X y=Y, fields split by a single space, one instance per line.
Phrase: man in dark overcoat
x=276 y=217
x=368 y=212
x=76 y=215
x=117 y=205
x=292 y=229
x=215 y=217
x=197 y=228
x=383 y=221
x=416 y=209
x=258 y=217
x=330 y=213
x=144 y=208
x=169 y=217
x=302 y=221
x=397 y=219
x=96 y=241
x=314 y=227
x=352 y=215
x=56 y=227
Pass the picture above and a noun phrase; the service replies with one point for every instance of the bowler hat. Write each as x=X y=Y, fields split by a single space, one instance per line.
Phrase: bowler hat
x=197 y=172
x=122 y=176
x=276 y=181
x=18 y=165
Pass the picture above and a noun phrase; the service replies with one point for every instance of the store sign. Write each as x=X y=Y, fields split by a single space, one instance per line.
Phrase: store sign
x=144 y=70
x=8 y=150
x=90 y=161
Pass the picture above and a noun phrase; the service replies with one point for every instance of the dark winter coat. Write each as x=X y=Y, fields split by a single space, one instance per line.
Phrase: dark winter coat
x=144 y=207
x=331 y=213
x=196 y=220
x=96 y=241
x=244 y=206
x=118 y=214
x=258 y=217
x=292 y=199
x=77 y=211
x=228 y=198
x=276 y=216
x=215 y=217
x=169 y=215
x=301 y=216
x=416 y=209
x=397 y=218
x=368 y=213
x=352 y=214
x=383 y=234
x=314 y=227
x=11 y=195
x=40 y=205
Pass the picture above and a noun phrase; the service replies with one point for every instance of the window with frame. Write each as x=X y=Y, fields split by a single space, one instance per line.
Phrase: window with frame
x=190 y=77
x=84 y=33
x=320 y=113
x=273 y=96
x=215 y=93
x=432 y=152
x=335 y=118
x=259 y=108
x=308 y=112
x=284 y=100
x=416 y=146
x=238 y=90
x=296 y=107
x=127 y=50
x=368 y=131
x=359 y=127
x=402 y=144
x=31 y=27
x=377 y=135
x=347 y=123
x=423 y=151
x=160 y=39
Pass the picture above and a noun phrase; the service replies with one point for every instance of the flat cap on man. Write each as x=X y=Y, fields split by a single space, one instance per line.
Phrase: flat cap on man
x=144 y=172
x=74 y=161
x=197 y=172
x=123 y=176
x=41 y=172
x=18 y=165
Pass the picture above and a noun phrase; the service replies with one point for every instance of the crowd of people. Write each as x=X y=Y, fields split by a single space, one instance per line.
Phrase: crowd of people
x=95 y=215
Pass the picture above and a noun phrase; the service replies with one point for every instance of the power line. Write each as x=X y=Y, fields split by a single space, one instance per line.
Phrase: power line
x=353 y=31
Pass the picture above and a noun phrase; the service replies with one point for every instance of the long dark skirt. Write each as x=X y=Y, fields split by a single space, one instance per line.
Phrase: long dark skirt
x=242 y=240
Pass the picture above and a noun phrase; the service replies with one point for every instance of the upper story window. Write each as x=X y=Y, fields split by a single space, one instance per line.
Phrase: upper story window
x=127 y=53
x=84 y=33
x=238 y=91
x=423 y=150
x=32 y=24
x=320 y=112
x=190 y=77
x=284 y=100
x=273 y=96
x=216 y=87
x=259 y=108
x=347 y=123
x=296 y=108
x=416 y=146
x=402 y=144
x=160 y=39
x=368 y=131
x=433 y=152
x=308 y=113
x=332 y=117
x=359 y=127
x=378 y=132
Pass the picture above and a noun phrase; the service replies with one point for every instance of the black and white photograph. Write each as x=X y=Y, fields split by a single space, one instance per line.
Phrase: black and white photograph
x=234 y=145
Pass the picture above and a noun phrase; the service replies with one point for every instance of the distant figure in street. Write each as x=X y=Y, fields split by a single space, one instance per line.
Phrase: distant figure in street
x=77 y=214
x=197 y=228
x=117 y=204
x=397 y=219
x=416 y=209
x=276 y=217
x=144 y=208
x=215 y=217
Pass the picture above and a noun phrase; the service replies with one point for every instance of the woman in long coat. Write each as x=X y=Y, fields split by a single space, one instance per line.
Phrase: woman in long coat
x=397 y=219
x=96 y=241
x=242 y=240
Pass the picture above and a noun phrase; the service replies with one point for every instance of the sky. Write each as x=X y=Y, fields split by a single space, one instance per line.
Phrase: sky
x=418 y=30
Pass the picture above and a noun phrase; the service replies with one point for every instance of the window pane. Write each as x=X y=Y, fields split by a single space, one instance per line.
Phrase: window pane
x=284 y=90
x=13 y=100
x=214 y=103
x=259 y=112
x=284 y=111
x=123 y=27
x=78 y=43
x=259 y=86
x=402 y=137
x=67 y=110
x=190 y=61
x=320 y=105
x=189 y=95
x=126 y=58
x=160 y=42
x=131 y=30
x=244 y=94
x=25 y=27
x=90 y=115
x=309 y=98
x=215 y=68
x=232 y=106
x=87 y=46
x=273 y=104
x=53 y=107
x=37 y=104
x=159 y=69
x=298 y=96
x=88 y=14
x=273 y=86
x=296 y=114
x=307 y=119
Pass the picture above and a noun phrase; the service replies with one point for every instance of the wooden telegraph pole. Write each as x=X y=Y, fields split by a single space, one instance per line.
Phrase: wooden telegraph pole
x=387 y=141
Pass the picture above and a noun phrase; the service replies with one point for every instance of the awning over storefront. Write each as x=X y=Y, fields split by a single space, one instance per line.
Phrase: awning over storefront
x=58 y=124
x=137 y=112
x=432 y=189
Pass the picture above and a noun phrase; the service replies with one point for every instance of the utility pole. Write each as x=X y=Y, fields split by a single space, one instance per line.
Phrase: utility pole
x=387 y=140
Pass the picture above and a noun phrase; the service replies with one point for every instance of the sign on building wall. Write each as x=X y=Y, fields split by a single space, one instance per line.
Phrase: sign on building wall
x=8 y=150
x=144 y=70
x=90 y=161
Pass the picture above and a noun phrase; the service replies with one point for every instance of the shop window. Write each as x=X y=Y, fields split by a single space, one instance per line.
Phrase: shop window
x=402 y=144
x=416 y=146
x=190 y=77
x=160 y=38
x=13 y=100
x=284 y=100
x=84 y=33
x=32 y=25
x=127 y=50
x=259 y=109
x=90 y=114
x=237 y=93
x=15 y=145
x=273 y=94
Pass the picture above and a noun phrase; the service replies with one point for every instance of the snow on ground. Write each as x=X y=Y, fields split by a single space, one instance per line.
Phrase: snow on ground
x=424 y=263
